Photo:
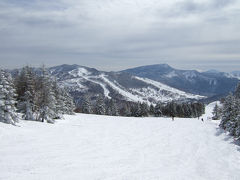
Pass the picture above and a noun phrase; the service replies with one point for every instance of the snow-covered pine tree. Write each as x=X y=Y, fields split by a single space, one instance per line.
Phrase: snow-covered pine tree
x=86 y=105
x=46 y=98
x=109 y=110
x=158 y=110
x=201 y=109
x=126 y=111
x=144 y=109
x=228 y=113
x=100 y=105
x=28 y=106
x=180 y=111
x=173 y=109
x=60 y=100
x=187 y=110
x=237 y=91
x=216 y=112
x=232 y=125
x=138 y=111
x=114 y=108
x=194 y=112
x=64 y=101
x=25 y=85
x=237 y=119
x=69 y=103
x=151 y=110
x=7 y=99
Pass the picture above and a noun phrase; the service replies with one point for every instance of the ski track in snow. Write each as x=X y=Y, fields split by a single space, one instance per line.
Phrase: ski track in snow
x=82 y=73
x=105 y=90
x=121 y=91
x=168 y=88
x=91 y=147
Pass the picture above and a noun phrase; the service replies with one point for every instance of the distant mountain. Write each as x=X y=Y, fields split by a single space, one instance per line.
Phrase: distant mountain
x=209 y=83
x=235 y=74
x=81 y=80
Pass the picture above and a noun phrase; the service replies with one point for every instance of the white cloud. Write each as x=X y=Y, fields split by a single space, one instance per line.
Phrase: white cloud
x=98 y=32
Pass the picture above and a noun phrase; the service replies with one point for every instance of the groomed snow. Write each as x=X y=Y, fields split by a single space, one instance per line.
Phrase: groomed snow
x=91 y=147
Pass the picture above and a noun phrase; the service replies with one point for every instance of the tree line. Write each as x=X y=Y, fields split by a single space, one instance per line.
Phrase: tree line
x=36 y=95
x=104 y=106
x=229 y=113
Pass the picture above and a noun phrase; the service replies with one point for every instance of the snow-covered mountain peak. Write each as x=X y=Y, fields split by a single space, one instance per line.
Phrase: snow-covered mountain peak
x=79 y=72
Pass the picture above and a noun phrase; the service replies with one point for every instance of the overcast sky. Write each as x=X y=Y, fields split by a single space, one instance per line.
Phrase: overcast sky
x=118 y=34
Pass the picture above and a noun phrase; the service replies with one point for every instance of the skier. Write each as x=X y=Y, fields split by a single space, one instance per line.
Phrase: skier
x=202 y=120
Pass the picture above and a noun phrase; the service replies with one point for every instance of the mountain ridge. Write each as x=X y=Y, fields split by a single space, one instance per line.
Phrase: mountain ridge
x=150 y=84
x=81 y=80
x=208 y=83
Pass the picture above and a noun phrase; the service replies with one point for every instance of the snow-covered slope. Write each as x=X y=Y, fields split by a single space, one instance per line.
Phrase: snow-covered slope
x=92 y=147
x=121 y=86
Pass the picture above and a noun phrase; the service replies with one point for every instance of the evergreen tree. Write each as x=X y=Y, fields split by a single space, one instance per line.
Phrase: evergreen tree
x=216 y=112
x=237 y=91
x=144 y=109
x=173 y=109
x=180 y=110
x=113 y=109
x=187 y=110
x=228 y=112
x=40 y=97
x=69 y=103
x=138 y=111
x=25 y=84
x=27 y=105
x=46 y=99
x=86 y=105
x=158 y=110
x=7 y=99
x=60 y=100
x=151 y=110
x=100 y=106
x=126 y=111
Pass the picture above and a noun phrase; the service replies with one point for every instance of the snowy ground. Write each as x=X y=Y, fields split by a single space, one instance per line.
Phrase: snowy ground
x=89 y=147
